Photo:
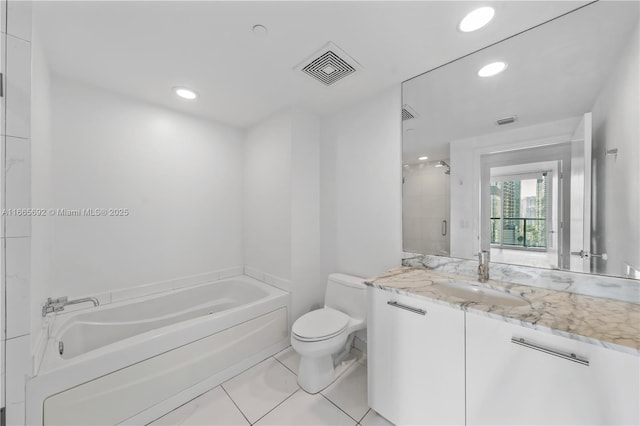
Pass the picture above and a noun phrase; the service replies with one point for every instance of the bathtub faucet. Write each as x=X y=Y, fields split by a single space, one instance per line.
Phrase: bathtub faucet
x=57 y=305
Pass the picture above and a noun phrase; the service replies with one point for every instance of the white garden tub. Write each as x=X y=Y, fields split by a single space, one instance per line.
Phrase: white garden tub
x=131 y=362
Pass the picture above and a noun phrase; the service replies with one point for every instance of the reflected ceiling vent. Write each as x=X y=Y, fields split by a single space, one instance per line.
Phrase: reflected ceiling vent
x=408 y=113
x=506 y=120
x=329 y=64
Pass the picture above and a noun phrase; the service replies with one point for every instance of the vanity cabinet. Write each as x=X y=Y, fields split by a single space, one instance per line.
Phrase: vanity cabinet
x=415 y=360
x=516 y=375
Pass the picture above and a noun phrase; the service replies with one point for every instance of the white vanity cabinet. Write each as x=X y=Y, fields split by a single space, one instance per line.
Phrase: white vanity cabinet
x=536 y=380
x=415 y=360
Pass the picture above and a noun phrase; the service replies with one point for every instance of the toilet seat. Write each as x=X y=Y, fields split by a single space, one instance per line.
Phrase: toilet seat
x=321 y=324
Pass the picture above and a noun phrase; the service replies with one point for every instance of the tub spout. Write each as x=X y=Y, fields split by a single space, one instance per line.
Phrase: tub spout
x=57 y=305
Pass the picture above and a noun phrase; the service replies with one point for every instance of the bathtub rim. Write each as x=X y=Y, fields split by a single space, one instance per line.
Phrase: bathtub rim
x=52 y=361
x=59 y=326
x=65 y=374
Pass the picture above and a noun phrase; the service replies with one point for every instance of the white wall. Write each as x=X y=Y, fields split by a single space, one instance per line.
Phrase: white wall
x=282 y=206
x=361 y=187
x=616 y=229
x=267 y=198
x=180 y=177
x=308 y=284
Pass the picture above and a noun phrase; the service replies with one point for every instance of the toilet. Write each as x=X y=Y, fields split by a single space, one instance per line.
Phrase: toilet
x=324 y=336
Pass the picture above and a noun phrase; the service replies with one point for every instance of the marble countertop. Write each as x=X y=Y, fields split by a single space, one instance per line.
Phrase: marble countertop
x=609 y=323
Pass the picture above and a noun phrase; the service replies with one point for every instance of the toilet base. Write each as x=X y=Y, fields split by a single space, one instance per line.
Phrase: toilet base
x=315 y=374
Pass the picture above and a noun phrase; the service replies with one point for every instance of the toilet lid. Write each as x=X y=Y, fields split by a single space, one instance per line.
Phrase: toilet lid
x=320 y=324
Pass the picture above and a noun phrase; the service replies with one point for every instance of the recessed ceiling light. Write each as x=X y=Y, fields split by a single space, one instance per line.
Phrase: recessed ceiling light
x=260 y=31
x=424 y=157
x=492 y=69
x=185 y=93
x=439 y=164
x=476 y=19
x=405 y=165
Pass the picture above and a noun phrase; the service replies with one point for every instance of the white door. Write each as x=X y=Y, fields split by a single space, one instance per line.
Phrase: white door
x=554 y=213
x=580 y=226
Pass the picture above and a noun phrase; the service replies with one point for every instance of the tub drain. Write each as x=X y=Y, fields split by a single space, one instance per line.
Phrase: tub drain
x=61 y=347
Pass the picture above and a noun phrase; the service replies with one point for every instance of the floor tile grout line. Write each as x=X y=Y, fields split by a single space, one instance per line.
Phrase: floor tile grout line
x=365 y=415
x=336 y=405
x=234 y=403
x=285 y=365
x=279 y=404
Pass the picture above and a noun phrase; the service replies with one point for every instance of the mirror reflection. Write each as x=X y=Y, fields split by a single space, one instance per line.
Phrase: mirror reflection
x=536 y=161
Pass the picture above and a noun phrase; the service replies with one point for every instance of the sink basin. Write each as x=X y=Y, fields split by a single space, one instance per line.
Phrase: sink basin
x=475 y=292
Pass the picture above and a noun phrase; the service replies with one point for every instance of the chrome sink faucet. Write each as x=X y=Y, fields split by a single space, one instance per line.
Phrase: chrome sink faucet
x=57 y=305
x=483 y=266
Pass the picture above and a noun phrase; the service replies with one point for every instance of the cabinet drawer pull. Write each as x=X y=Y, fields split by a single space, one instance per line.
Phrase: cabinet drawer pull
x=408 y=308
x=568 y=356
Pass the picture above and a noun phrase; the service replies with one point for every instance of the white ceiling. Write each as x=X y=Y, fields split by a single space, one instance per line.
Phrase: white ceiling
x=554 y=72
x=143 y=49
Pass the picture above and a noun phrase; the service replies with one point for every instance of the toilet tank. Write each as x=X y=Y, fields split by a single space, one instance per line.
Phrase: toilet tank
x=347 y=294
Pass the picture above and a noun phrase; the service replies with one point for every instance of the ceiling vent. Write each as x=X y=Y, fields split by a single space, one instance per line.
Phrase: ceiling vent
x=408 y=113
x=329 y=64
x=506 y=120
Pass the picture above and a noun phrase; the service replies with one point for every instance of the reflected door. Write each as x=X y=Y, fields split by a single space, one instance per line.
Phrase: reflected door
x=425 y=209
x=580 y=226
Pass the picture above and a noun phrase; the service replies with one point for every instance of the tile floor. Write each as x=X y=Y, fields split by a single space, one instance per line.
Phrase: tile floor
x=268 y=394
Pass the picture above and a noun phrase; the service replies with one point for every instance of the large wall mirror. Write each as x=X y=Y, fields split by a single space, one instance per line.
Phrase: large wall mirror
x=539 y=163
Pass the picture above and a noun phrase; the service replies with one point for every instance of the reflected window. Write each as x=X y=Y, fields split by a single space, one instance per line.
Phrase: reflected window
x=519 y=212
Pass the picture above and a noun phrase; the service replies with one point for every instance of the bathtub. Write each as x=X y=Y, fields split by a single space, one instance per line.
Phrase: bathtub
x=132 y=362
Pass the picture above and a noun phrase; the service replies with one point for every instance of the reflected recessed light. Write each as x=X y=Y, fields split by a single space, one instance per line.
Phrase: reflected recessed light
x=423 y=158
x=405 y=165
x=476 y=19
x=185 y=93
x=439 y=164
x=492 y=69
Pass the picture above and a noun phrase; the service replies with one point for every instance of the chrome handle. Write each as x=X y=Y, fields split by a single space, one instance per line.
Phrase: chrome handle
x=585 y=254
x=405 y=307
x=444 y=228
x=580 y=253
x=565 y=355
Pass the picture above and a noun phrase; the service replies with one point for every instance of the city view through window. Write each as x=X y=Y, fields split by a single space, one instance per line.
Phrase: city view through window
x=519 y=213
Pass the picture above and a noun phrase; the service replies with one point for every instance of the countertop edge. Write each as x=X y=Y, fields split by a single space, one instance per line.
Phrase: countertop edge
x=572 y=336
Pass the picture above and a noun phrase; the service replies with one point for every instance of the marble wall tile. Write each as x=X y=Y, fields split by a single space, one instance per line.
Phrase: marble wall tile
x=17 y=186
x=18 y=23
x=17 y=286
x=18 y=368
x=18 y=87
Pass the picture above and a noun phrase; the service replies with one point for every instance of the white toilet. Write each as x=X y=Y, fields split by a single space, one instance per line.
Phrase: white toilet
x=321 y=336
